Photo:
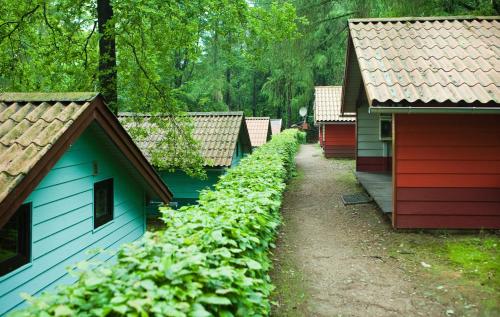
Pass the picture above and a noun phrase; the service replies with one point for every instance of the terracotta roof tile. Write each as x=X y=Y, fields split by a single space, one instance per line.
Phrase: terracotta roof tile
x=258 y=129
x=29 y=125
x=429 y=59
x=276 y=126
x=217 y=133
x=327 y=102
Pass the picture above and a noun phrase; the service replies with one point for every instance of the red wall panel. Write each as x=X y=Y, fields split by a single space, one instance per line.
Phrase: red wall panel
x=340 y=140
x=447 y=171
x=374 y=164
x=320 y=135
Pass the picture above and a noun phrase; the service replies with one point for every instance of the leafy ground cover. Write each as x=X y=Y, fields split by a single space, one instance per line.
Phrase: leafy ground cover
x=211 y=260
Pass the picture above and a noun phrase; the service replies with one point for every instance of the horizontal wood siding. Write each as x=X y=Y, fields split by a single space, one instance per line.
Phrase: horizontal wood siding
x=62 y=219
x=447 y=171
x=373 y=155
x=373 y=164
x=238 y=154
x=187 y=187
x=340 y=140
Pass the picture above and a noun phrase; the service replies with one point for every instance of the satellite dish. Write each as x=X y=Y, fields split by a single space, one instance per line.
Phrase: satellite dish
x=303 y=111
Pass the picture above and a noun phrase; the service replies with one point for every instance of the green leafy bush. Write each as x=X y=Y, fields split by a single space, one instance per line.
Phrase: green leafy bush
x=211 y=260
x=302 y=137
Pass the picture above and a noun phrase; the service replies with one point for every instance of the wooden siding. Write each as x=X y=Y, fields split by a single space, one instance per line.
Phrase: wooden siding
x=372 y=155
x=186 y=188
x=62 y=219
x=238 y=154
x=340 y=140
x=320 y=134
x=447 y=171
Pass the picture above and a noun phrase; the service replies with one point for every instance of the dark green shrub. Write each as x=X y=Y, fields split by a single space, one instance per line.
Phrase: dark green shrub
x=211 y=260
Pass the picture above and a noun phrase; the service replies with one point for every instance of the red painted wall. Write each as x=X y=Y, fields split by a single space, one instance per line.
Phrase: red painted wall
x=340 y=140
x=320 y=136
x=447 y=171
x=374 y=164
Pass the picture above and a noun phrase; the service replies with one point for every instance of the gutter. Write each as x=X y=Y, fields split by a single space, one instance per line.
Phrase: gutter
x=435 y=110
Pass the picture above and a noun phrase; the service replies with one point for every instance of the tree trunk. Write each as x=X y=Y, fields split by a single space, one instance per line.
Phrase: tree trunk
x=107 y=53
x=228 y=88
x=254 y=94
x=289 y=103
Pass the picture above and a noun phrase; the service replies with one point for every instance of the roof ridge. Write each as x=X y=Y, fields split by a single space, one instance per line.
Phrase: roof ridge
x=420 y=19
x=418 y=57
x=47 y=96
x=148 y=114
x=216 y=113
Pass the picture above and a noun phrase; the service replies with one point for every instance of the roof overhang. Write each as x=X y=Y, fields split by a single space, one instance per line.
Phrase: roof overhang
x=99 y=112
x=435 y=110
x=353 y=84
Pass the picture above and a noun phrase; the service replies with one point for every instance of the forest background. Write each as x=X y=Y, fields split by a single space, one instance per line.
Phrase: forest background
x=169 y=56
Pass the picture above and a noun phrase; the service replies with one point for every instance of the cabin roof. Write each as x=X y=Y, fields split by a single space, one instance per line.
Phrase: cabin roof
x=327 y=102
x=259 y=129
x=276 y=126
x=430 y=61
x=37 y=128
x=217 y=132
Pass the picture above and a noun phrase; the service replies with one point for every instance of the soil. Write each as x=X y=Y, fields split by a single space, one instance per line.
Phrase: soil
x=333 y=260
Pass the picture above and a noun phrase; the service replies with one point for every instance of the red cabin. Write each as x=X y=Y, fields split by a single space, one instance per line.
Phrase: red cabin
x=427 y=96
x=337 y=133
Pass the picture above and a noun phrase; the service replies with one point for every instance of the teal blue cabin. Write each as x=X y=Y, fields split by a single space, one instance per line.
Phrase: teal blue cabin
x=71 y=181
x=223 y=138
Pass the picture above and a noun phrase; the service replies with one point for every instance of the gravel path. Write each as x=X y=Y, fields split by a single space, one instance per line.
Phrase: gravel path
x=330 y=259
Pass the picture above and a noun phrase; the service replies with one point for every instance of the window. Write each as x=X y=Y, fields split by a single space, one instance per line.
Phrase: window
x=15 y=240
x=103 y=202
x=385 y=128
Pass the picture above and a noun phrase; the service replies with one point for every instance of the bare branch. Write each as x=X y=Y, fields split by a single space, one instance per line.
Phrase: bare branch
x=87 y=40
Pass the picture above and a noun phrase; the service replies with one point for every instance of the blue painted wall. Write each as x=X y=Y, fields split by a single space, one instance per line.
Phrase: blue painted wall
x=186 y=189
x=62 y=217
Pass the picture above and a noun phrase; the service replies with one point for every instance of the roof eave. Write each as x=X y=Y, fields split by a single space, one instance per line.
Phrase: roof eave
x=96 y=111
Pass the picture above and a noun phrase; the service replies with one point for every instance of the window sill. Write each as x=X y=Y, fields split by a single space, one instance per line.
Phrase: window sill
x=107 y=224
x=16 y=271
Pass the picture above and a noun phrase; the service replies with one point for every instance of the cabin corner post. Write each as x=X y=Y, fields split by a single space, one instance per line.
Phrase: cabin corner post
x=394 y=172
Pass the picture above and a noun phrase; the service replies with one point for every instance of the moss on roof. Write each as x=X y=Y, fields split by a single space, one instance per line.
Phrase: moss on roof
x=47 y=97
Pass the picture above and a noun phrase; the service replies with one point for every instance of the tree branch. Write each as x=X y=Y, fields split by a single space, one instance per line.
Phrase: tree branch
x=18 y=23
x=87 y=40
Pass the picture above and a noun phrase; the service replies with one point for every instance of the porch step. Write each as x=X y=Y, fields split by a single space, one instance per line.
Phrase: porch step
x=379 y=186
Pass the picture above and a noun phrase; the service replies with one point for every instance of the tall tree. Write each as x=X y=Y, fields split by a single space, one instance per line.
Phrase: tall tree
x=107 y=53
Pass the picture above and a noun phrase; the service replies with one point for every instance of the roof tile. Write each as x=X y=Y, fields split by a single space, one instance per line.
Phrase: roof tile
x=327 y=102
x=276 y=126
x=28 y=129
x=258 y=129
x=217 y=133
x=429 y=59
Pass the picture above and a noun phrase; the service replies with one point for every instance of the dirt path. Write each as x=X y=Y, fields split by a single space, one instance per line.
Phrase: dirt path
x=330 y=259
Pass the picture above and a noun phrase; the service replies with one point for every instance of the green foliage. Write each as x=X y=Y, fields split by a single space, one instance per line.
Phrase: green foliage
x=211 y=259
x=301 y=136
x=478 y=259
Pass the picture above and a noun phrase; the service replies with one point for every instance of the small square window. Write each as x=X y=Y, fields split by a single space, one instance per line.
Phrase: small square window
x=103 y=202
x=385 y=128
x=15 y=240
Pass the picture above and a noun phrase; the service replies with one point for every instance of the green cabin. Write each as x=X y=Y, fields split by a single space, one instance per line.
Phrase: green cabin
x=71 y=180
x=223 y=138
